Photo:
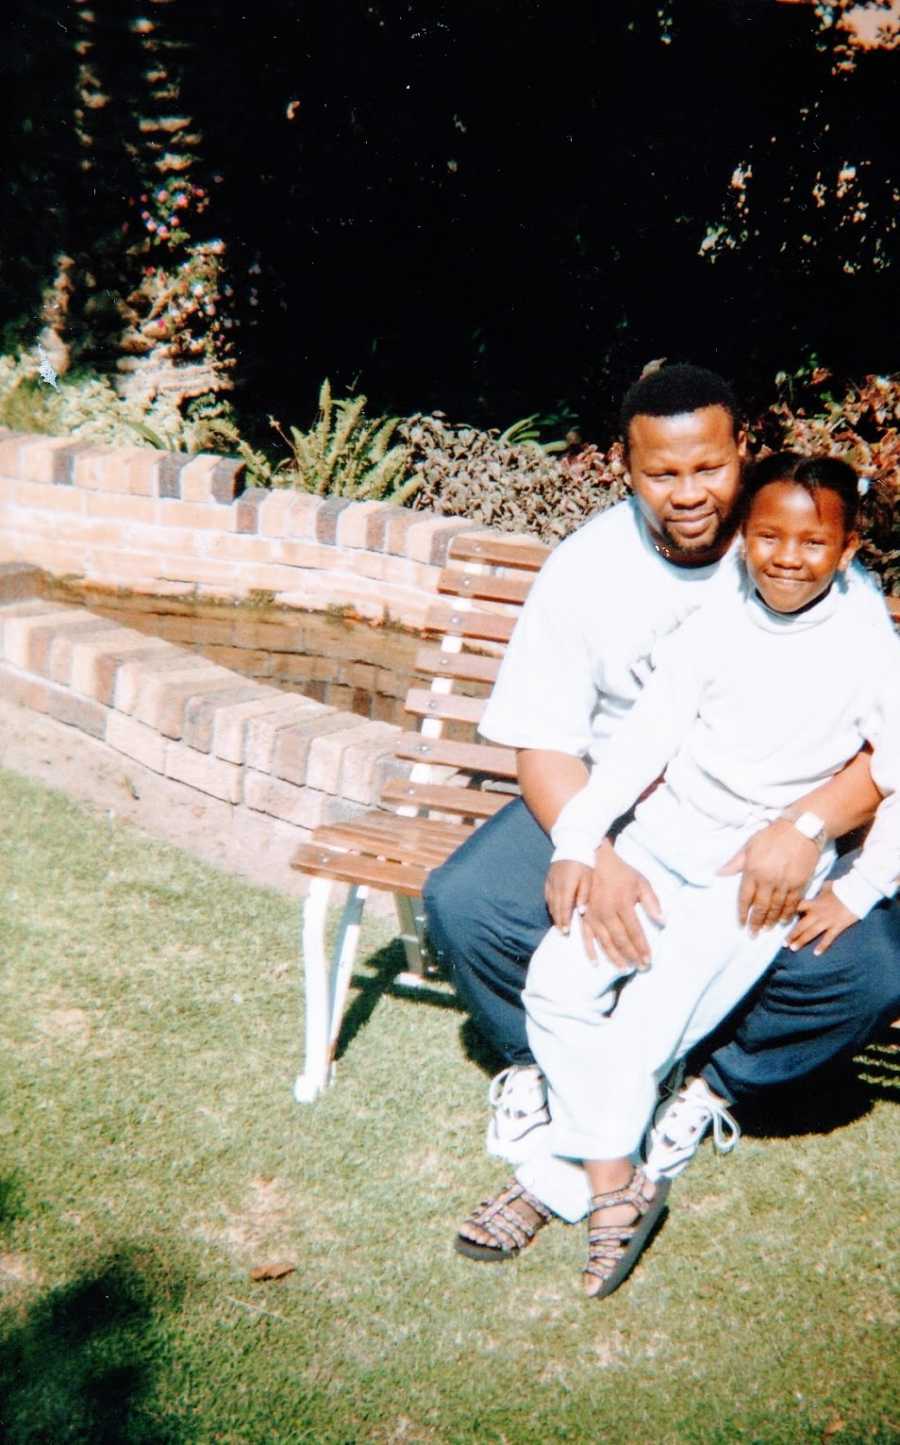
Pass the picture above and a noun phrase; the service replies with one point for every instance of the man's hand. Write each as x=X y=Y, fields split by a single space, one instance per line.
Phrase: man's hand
x=823 y=915
x=609 y=918
x=567 y=887
x=777 y=864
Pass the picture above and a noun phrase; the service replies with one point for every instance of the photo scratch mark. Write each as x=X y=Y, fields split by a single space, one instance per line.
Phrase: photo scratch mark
x=45 y=370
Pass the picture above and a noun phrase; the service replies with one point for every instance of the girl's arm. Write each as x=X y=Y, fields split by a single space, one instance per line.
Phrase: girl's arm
x=639 y=750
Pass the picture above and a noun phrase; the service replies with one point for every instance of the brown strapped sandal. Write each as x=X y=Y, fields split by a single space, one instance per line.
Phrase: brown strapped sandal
x=509 y=1231
x=614 y=1249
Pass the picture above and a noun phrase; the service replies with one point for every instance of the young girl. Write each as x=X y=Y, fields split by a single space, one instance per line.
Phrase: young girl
x=749 y=707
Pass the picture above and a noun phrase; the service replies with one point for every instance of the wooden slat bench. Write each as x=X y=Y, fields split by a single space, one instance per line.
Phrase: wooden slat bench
x=456 y=782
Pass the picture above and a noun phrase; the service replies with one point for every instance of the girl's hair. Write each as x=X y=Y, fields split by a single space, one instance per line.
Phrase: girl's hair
x=814 y=474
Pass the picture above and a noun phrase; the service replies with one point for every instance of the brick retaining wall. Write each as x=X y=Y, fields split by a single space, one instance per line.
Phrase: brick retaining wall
x=270 y=766
x=121 y=516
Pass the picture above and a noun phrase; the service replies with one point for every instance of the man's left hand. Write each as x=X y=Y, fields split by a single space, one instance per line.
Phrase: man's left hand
x=777 y=864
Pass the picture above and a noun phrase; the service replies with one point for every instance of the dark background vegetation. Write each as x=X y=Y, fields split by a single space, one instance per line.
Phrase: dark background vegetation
x=490 y=208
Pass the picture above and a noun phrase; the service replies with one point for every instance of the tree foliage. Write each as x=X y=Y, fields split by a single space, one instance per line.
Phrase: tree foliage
x=492 y=209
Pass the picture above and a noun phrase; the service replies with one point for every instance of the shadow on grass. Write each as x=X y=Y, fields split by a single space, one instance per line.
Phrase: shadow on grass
x=829 y=1099
x=380 y=980
x=12 y=1200
x=83 y=1361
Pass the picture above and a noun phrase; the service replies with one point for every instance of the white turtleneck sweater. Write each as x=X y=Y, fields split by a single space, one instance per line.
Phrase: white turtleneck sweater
x=750 y=709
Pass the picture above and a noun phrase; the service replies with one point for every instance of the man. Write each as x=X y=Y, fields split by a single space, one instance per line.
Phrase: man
x=575 y=665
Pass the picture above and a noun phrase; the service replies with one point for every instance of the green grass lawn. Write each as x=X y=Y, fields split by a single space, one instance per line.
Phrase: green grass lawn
x=151 y=1155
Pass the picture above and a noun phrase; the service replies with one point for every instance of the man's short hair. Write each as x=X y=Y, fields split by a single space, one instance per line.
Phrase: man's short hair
x=674 y=390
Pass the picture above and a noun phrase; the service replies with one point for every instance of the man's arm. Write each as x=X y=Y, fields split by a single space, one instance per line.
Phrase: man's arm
x=548 y=780
x=778 y=862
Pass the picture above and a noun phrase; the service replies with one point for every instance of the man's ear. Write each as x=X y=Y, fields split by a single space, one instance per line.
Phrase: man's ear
x=741 y=443
x=851 y=547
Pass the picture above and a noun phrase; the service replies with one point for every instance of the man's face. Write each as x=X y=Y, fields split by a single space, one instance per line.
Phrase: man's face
x=686 y=475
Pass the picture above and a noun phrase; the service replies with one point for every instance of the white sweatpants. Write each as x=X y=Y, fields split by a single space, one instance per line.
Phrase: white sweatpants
x=604 y=1044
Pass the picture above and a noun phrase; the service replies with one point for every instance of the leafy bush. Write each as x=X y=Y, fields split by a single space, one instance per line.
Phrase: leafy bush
x=513 y=487
x=87 y=406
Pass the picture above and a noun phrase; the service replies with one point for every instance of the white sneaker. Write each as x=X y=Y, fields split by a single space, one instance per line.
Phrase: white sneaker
x=518 y=1101
x=680 y=1126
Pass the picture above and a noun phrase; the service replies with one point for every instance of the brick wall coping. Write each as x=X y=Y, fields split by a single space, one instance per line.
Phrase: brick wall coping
x=140 y=518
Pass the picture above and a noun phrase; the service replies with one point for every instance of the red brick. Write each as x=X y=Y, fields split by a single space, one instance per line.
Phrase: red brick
x=198 y=516
x=10 y=447
x=59 y=654
x=87 y=467
x=27 y=637
x=96 y=660
x=136 y=741
x=301 y=519
x=354 y=523
x=367 y=764
x=266 y=577
x=196 y=478
x=239 y=548
x=133 y=675
x=45 y=497
x=82 y=713
x=274 y=512
x=429 y=540
x=268 y=840
x=30 y=692
x=207 y=774
x=161 y=701
x=109 y=507
x=230 y=723
x=200 y=712
x=141 y=472
x=304 y=807
x=261 y=732
x=290 y=753
x=36 y=461
x=326 y=755
x=274 y=636
x=216 y=575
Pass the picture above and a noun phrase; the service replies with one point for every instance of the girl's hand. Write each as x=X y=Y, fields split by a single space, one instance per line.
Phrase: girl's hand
x=823 y=915
x=568 y=886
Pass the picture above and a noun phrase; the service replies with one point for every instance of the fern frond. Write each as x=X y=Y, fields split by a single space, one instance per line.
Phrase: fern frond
x=322 y=429
x=380 y=479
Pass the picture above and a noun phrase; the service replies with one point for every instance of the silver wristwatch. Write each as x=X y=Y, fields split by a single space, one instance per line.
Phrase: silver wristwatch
x=811 y=826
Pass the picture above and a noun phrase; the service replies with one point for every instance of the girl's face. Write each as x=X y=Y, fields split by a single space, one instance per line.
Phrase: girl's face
x=794 y=543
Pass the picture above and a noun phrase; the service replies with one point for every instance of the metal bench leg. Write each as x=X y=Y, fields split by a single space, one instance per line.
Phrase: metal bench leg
x=420 y=970
x=327 y=981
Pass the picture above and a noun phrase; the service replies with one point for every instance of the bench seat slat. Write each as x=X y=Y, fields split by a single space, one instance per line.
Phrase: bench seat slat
x=451 y=706
x=460 y=666
x=483 y=626
x=469 y=757
x=321 y=862
x=499 y=551
x=467 y=802
x=401 y=845
x=485 y=585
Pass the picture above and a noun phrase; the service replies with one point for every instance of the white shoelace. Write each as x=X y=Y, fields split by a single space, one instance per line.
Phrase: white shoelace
x=692 y=1113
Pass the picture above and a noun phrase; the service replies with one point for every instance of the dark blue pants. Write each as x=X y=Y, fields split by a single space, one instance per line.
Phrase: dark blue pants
x=486 y=916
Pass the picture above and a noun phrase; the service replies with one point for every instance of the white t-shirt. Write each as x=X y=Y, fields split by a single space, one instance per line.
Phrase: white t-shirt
x=580 y=652
x=751 y=710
